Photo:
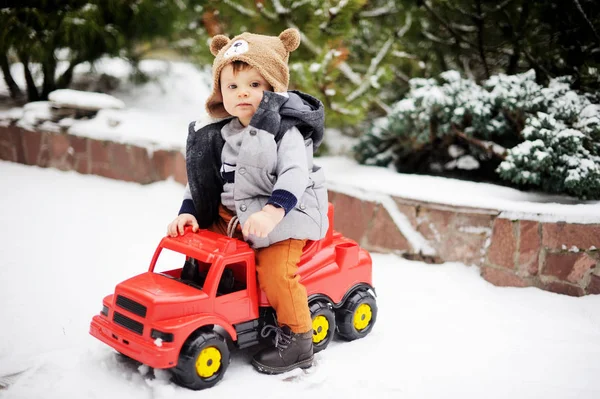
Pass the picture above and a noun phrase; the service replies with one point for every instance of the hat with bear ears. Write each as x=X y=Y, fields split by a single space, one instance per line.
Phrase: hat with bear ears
x=268 y=54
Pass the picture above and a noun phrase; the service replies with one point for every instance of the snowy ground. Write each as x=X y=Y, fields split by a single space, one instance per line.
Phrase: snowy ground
x=442 y=331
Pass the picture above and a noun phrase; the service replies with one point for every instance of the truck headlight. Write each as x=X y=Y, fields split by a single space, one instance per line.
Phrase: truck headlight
x=165 y=337
x=104 y=310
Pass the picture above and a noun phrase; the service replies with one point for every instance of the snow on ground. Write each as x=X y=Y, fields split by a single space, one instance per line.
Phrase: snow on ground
x=442 y=331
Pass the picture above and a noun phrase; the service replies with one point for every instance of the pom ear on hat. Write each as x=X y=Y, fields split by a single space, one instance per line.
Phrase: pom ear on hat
x=217 y=43
x=290 y=39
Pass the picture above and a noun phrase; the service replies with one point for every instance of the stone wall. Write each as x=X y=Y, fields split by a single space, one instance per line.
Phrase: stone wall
x=89 y=156
x=557 y=257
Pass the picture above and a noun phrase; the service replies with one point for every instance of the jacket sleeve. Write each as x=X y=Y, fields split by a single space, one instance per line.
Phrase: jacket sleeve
x=291 y=171
x=187 y=206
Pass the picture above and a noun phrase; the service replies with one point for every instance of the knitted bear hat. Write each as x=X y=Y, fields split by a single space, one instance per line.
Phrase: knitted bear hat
x=268 y=54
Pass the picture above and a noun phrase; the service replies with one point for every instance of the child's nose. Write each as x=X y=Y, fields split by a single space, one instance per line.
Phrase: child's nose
x=243 y=93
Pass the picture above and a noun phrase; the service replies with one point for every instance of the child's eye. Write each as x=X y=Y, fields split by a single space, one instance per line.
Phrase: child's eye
x=255 y=84
x=232 y=87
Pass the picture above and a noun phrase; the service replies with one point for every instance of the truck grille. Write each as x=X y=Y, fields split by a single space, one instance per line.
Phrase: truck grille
x=128 y=323
x=131 y=305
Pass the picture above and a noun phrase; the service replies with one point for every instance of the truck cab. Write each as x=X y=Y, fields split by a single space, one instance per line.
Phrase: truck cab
x=182 y=318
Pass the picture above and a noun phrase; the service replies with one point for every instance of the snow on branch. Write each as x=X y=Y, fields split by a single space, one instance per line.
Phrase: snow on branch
x=299 y=4
x=367 y=79
x=402 y=31
x=335 y=10
x=279 y=8
x=389 y=8
x=240 y=8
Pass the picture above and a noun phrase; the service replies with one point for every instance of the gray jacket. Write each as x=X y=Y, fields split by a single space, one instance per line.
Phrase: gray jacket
x=274 y=165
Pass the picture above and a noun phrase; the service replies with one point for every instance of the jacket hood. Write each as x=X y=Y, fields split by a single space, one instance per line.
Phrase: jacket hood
x=277 y=114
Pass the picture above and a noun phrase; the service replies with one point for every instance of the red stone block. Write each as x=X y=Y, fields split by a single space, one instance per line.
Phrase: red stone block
x=474 y=223
x=384 y=233
x=529 y=247
x=59 y=145
x=504 y=244
x=79 y=144
x=121 y=159
x=162 y=164
x=44 y=155
x=11 y=148
x=99 y=151
x=594 y=285
x=82 y=165
x=141 y=165
x=32 y=143
x=462 y=247
x=60 y=152
x=410 y=211
x=560 y=265
x=105 y=171
x=564 y=288
x=353 y=216
x=503 y=278
x=434 y=223
x=582 y=265
x=180 y=173
x=582 y=236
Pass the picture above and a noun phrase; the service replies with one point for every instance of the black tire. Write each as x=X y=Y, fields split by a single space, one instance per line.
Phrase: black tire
x=356 y=317
x=197 y=367
x=323 y=320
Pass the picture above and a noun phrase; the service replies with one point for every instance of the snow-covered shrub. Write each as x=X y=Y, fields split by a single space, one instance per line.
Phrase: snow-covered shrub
x=509 y=128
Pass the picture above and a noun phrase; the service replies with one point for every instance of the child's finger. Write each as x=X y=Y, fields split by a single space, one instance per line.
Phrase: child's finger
x=181 y=225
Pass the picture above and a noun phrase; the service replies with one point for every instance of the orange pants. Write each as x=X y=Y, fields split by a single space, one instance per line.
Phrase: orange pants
x=277 y=267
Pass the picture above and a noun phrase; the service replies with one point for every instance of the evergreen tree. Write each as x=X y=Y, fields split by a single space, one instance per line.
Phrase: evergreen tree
x=34 y=32
x=508 y=128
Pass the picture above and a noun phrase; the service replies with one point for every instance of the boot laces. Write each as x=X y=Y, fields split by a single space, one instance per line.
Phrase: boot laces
x=282 y=339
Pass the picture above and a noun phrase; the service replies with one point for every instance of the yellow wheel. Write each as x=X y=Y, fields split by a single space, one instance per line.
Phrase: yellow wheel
x=208 y=362
x=320 y=329
x=362 y=316
x=203 y=360
x=356 y=317
x=323 y=323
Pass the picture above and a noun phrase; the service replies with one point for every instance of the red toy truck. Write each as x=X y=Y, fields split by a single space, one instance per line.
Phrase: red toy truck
x=181 y=319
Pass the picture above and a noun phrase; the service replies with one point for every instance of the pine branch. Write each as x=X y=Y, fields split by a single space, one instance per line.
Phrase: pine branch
x=407 y=24
x=366 y=80
x=299 y=4
x=492 y=149
x=388 y=9
x=279 y=8
x=240 y=8
x=459 y=38
x=587 y=20
x=269 y=15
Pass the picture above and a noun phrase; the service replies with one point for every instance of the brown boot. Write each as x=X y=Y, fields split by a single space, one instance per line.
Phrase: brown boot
x=291 y=351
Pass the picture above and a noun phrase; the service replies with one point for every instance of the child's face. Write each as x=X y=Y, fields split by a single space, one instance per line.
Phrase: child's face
x=242 y=92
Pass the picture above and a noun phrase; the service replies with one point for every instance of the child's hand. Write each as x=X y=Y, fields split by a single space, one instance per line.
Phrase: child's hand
x=263 y=222
x=177 y=225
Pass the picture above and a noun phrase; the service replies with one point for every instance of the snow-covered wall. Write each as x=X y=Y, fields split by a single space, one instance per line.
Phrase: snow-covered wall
x=510 y=249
